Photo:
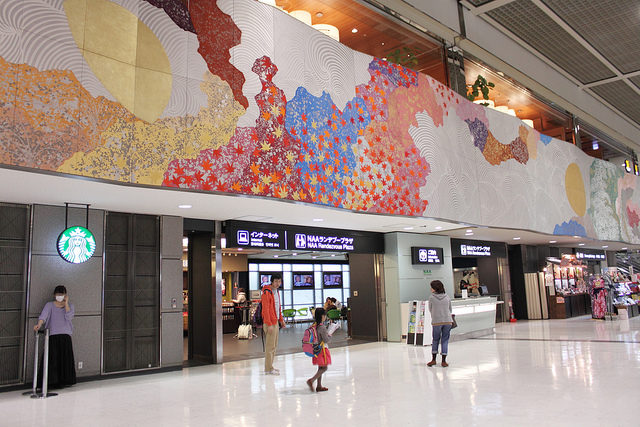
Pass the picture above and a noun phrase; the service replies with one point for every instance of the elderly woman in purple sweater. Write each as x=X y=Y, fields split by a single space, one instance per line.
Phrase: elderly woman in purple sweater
x=441 y=321
x=56 y=316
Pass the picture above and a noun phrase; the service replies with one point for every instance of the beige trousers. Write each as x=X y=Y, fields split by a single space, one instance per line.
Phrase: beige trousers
x=270 y=346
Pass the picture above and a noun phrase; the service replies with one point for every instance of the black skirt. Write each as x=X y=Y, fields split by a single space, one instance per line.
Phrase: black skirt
x=62 y=365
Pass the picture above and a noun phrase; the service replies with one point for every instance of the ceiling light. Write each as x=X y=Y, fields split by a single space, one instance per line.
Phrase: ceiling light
x=319 y=14
x=517 y=238
x=552 y=241
x=185 y=242
x=335 y=254
x=295 y=254
x=314 y=257
x=239 y=249
x=577 y=237
x=580 y=244
x=623 y=249
x=408 y=228
x=275 y=256
x=318 y=219
x=605 y=247
x=382 y=43
x=469 y=231
x=355 y=30
x=185 y=206
x=438 y=228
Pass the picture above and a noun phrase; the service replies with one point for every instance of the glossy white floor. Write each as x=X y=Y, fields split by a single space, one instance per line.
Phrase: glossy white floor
x=555 y=372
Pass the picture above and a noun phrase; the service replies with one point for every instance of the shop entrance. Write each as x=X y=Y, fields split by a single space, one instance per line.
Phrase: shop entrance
x=482 y=268
x=213 y=279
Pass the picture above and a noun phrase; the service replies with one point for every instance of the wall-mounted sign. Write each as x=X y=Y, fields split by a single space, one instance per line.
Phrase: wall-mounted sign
x=76 y=244
x=592 y=255
x=260 y=239
x=420 y=255
x=476 y=248
x=287 y=237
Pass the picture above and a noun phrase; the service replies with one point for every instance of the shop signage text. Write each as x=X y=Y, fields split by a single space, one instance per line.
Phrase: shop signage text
x=470 y=250
x=421 y=255
x=595 y=255
x=327 y=243
x=477 y=248
x=285 y=237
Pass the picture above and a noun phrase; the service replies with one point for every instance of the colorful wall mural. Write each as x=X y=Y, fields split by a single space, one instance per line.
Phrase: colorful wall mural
x=236 y=96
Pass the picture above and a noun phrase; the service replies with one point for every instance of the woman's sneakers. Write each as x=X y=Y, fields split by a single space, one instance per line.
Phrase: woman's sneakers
x=274 y=371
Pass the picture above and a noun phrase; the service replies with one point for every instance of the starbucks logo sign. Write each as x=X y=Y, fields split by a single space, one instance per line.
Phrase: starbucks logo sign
x=76 y=244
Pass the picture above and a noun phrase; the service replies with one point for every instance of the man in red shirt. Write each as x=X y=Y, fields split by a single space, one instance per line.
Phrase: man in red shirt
x=273 y=320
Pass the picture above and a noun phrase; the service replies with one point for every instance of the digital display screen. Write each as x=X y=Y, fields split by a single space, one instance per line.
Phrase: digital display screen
x=303 y=281
x=332 y=280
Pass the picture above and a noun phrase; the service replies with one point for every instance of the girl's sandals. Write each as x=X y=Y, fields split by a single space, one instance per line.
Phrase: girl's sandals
x=310 y=384
x=321 y=389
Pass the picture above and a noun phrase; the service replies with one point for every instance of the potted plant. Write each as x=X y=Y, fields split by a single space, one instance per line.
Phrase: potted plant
x=480 y=86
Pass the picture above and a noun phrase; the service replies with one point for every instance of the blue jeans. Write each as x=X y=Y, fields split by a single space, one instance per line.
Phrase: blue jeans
x=440 y=333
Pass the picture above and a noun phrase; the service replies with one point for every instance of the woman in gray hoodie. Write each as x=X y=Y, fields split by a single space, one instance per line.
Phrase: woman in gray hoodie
x=441 y=321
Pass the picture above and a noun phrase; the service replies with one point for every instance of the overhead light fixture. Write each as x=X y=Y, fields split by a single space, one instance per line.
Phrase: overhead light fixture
x=185 y=206
x=517 y=238
x=552 y=241
x=605 y=247
x=314 y=257
x=275 y=256
x=408 y=228
x=623 y=249
x=318 y=219
x=319 y=14
x=335 y=254
x=595 y=145
x=580 y=244
x=355 y=30
x=295 y=254
x=239 y=249
x=469 y=231
x=438 y=228
x=577 y=237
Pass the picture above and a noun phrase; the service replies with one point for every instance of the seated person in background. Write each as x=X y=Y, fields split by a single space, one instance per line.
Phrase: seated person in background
x=337 y=303
x=241 y=299
x=329 y=305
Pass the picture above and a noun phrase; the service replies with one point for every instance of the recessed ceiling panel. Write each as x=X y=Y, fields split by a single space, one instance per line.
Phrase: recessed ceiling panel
x=536 y=28
x=610 y=26
x=621 y=96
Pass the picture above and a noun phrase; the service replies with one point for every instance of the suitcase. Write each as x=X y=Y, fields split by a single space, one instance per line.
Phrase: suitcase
x=244 y=332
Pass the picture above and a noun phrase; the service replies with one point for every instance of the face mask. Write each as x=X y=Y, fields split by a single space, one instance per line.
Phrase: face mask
x=59 y=298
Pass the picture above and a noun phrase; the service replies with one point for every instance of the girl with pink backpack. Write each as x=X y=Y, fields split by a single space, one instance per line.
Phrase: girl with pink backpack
x=323 y=358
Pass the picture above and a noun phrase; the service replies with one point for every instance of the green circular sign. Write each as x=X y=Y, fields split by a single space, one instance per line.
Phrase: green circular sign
x=76 y=244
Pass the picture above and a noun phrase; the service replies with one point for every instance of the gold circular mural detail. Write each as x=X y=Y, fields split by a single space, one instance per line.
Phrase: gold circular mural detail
x=124 y=54
x=574 y=185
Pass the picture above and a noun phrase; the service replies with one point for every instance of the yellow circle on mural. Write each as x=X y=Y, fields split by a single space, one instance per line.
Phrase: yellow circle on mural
x=574 y=185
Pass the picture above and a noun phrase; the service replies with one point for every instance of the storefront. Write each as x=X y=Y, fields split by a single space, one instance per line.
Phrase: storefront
x=480 y=268
x=315 y=263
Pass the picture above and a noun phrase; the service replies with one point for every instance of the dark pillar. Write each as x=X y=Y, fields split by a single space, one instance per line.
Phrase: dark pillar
x=365 y=301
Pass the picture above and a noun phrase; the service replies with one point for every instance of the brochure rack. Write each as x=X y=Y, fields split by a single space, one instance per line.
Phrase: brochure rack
x=417 y=319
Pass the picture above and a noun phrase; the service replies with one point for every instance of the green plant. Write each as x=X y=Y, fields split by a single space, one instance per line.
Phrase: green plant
x=405 y=56
x=480 y=86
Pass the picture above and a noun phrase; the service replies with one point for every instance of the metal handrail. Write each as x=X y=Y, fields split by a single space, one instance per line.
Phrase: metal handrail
x=45 y=368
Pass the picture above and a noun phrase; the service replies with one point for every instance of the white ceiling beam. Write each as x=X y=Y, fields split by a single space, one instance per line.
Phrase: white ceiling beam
x=479 y=10
x=610 y=79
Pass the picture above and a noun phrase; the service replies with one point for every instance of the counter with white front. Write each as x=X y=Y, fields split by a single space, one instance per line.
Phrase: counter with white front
x=476 y=317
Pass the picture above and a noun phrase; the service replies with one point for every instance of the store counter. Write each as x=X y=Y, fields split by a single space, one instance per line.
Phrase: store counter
x=571 y=305
x=476 y=317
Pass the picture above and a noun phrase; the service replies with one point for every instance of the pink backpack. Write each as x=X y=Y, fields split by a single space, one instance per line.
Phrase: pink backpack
x=310 y=344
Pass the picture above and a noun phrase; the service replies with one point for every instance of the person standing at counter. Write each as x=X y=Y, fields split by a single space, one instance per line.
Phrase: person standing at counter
x=56 y=315
x=441 y=321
